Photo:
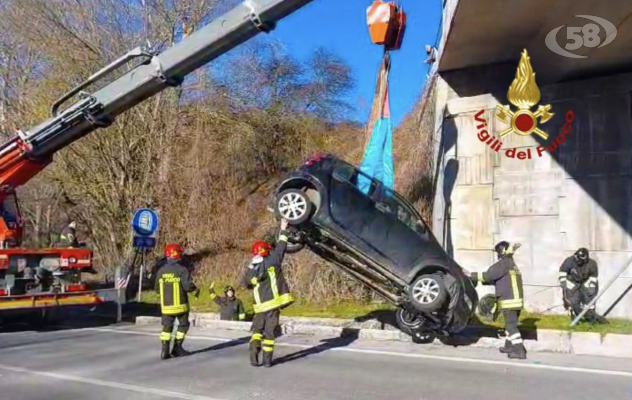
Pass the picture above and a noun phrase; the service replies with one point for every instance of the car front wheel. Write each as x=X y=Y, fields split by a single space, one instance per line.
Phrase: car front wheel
x=428 y=292
x=294 y=206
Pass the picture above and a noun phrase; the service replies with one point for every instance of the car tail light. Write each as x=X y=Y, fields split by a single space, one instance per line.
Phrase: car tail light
x=315 y=159
x=3 y=292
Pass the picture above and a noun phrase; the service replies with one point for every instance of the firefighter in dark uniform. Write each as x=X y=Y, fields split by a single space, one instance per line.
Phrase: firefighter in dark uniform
x=271 y=293
x=230 y=307
x=579 y=280
x=506 y=278
x=68 y=237
x=173 y=283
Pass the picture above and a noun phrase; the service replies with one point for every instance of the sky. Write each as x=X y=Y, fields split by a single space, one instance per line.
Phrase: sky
x=340 y=25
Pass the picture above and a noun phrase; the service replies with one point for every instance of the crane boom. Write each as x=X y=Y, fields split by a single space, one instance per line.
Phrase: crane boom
x=28 y=152
x=41 y=278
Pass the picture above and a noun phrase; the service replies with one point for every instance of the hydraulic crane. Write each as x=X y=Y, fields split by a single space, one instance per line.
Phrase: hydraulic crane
x=58 y=279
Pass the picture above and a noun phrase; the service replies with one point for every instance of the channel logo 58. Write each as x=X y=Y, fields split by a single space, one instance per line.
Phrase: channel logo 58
x=598 y=33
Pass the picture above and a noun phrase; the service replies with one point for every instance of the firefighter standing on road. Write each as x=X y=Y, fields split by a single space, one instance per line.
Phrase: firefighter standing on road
x=271 y=293
x=579 y=280
x=173 y=282
x=506 y=278
x=230 y=307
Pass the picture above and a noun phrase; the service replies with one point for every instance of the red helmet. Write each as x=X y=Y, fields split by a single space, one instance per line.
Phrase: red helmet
x=261 y=249
x=174 y=251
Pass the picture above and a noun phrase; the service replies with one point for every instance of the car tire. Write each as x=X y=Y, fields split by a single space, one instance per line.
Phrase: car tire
x=428 y=292
x=293 y=248
x=408 y=322
x=294 y=206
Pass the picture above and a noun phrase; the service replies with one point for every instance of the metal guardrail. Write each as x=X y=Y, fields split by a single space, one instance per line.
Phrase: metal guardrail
x=616 y=276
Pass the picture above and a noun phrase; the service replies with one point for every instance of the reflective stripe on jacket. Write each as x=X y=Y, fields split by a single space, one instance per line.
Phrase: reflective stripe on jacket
x=173 y=282
x=507 y=279
x=269 y=288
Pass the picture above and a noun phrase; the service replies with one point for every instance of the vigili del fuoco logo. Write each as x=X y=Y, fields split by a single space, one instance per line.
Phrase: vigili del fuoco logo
x=523 y=94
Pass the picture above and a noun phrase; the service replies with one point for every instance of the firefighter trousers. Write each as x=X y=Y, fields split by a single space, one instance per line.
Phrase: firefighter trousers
x=512 y=332
x=580 y=298
x=263 y=329
x=167 y=326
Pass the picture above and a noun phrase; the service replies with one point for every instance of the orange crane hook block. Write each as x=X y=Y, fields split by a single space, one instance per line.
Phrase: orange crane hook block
x=387 y=23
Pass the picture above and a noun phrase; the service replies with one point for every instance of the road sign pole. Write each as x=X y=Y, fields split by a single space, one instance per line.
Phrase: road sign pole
x=142 y=269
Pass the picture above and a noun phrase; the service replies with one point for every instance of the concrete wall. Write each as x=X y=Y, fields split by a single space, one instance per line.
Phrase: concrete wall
x=580 y=195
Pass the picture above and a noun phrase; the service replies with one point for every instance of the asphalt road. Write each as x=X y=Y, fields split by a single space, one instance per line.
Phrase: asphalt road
x=122 y=363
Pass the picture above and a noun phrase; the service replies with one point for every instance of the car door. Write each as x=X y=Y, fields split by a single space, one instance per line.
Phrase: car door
x=404 y=237
x=371 y=216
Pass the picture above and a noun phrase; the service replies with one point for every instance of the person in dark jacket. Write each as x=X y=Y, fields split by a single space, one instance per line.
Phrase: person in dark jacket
x=506 y=278
x=271 y=293
x=173 y=283
x=68 y=237
x=579 y=278
x=230 y=307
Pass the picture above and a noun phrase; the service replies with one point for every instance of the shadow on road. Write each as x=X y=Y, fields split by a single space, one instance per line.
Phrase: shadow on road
x=347 y=337
x=384 y=317
x=225 y=345
x=75 y=317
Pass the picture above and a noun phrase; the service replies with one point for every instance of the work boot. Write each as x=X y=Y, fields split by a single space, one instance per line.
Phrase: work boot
x=164 y=354
x=594 y=318
x=254 y=354
x=517 y=351
x=267 y=359
x=506 y=348
x=178 y=351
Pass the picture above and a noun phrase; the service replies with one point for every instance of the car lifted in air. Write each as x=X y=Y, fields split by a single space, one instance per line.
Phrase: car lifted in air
x=377 y=237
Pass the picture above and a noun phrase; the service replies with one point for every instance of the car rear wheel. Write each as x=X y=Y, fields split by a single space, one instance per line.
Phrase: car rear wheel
x=294 y=206
x=408 y=322
x=428 y=292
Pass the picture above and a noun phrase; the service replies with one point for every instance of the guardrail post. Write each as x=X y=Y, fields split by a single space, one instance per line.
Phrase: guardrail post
x=119 y=295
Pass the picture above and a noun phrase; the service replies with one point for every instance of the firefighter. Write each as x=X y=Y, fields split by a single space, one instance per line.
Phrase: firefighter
x=271 y=293
x=173 y=283
x=230 y=307
x=68 y=237
x=580 y=284
x=506 y=278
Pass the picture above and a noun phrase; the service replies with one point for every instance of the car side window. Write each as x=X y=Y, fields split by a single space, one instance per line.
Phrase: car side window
x=389 y=203
x=356 y=178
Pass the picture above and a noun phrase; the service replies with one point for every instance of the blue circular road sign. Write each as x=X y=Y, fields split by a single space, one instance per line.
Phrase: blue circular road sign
x=145 y=222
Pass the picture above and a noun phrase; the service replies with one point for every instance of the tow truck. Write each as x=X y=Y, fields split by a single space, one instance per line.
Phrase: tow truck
x=44 y=279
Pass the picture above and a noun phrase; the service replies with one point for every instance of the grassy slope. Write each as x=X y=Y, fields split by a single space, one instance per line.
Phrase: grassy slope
x=352 y=310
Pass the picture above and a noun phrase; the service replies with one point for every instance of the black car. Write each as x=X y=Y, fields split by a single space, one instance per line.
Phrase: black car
x=378 y=238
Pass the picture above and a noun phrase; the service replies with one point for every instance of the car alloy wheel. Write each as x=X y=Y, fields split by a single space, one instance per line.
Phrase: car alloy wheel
x=293 y=206
x=426 y=291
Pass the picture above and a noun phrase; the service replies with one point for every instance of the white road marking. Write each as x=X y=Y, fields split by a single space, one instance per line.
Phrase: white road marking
x=99 y=382
x=517 y=364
